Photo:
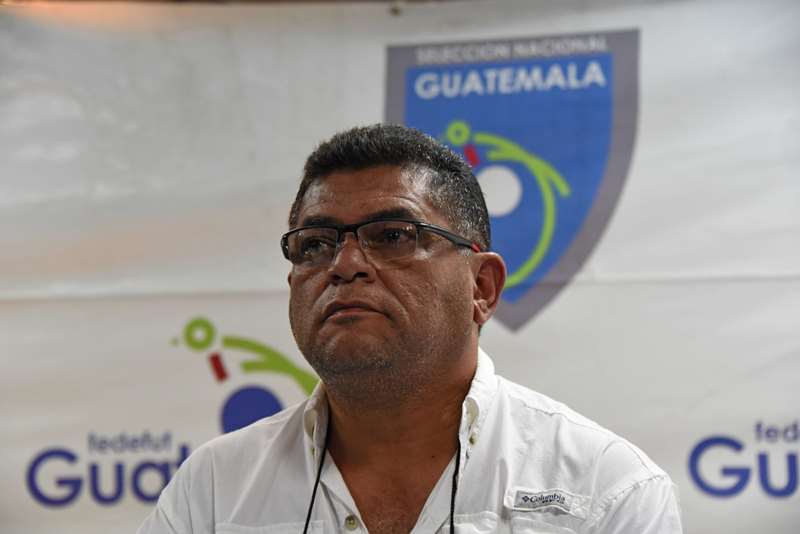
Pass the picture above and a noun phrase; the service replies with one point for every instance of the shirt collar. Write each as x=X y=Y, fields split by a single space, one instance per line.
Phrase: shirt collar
x=315 y=417
x=474 y=409
x=481 y=392
x=476 y=406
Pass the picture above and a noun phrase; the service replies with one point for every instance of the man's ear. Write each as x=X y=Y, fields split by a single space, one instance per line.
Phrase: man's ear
x=489 y=272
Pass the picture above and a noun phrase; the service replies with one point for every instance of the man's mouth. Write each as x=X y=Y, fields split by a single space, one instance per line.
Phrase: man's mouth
x=348 y=309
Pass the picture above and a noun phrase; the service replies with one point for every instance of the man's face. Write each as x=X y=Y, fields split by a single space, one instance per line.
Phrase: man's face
x=392 y=322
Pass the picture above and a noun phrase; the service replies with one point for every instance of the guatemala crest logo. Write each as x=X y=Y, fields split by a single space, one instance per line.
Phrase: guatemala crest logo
x=547 y=124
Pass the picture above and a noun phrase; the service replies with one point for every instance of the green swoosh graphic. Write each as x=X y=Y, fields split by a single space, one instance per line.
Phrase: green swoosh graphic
x=270 y=361
x=547 y=178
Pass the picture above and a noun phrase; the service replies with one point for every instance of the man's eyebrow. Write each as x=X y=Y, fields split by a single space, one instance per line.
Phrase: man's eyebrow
x=391 y=213
x=320 y=220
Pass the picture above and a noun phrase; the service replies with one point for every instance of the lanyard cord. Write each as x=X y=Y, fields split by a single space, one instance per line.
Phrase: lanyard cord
x=316 y=482
x=455 y=486
x=452 y=491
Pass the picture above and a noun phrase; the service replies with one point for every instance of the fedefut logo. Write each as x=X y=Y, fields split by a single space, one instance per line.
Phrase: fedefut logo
x=548 y=125
x=726 y=466
x=249 y=403
x=115 y=466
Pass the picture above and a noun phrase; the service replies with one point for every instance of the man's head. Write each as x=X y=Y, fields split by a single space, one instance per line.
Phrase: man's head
x=451 y=186
x=371 y=323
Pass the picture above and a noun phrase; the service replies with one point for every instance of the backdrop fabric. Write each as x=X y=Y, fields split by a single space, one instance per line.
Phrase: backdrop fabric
x=150 y=154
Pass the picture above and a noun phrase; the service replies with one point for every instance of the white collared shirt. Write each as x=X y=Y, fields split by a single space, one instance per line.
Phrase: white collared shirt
x=529 y=464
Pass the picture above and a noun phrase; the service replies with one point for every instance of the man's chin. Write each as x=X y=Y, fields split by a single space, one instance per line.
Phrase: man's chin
x=345 y=337
x=344 y=355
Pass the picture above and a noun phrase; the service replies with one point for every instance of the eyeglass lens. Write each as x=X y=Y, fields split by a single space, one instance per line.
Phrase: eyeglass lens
x=380 y=241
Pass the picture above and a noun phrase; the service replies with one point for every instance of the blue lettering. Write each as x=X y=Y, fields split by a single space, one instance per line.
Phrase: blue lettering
x=94 y=484
x=763 y=474
x=742 y=474
x=73 y=485
x=161 y=468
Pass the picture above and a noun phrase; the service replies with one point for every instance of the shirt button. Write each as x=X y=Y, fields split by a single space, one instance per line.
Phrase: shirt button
x=350 y=522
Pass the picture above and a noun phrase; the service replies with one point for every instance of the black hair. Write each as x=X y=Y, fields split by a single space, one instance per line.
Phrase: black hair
x=452 y=187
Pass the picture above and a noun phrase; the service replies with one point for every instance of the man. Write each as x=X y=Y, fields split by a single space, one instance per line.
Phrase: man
x=410 y=430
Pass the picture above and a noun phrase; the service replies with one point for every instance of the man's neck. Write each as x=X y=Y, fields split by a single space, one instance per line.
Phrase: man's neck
x=419 y=426
x=391 y=446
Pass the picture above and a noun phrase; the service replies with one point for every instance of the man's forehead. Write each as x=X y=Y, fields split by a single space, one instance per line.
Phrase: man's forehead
x=311 y=219
x=387 y=178
x=377 y=192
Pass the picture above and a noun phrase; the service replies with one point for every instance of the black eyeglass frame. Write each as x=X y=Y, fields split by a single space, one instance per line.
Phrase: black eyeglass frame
x=342 y=229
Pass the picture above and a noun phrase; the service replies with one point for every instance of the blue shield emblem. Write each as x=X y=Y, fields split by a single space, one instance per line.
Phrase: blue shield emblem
x=548 y=126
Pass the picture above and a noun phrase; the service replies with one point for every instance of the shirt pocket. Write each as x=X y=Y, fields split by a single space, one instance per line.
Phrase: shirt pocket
x=528 y=525
x=314 y=527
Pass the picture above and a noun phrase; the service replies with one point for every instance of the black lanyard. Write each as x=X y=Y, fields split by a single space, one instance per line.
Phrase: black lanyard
x=316 y=482
x=452 y=491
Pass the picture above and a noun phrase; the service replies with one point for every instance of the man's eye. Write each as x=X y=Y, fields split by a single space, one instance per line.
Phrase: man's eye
x=314 y=246
x=396 y=235
x=392 y=235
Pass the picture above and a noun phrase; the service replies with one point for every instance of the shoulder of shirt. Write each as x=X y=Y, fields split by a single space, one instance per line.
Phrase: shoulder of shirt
x=615 y=463
x=540 y=404
x=248 y=444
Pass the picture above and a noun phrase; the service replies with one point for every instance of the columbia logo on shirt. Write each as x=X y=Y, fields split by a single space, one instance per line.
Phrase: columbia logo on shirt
x=526 y=500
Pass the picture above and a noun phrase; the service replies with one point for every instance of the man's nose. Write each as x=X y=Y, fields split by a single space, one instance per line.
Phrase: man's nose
x=349 y=260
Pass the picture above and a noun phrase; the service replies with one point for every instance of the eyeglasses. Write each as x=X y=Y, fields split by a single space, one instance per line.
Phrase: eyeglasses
x=381 y=240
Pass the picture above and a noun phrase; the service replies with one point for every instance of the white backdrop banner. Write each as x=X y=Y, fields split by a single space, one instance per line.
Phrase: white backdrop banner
x=639 y=163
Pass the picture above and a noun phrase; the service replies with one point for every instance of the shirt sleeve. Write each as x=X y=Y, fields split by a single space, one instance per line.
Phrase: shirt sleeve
x=632 y=494
x=186 y=505
x=170 y=511
x=646 y=507
x=158 y=522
